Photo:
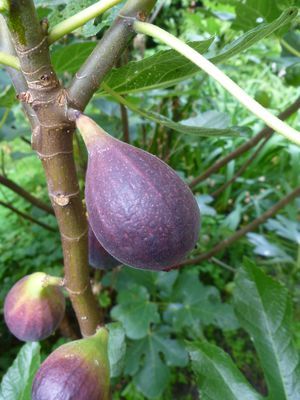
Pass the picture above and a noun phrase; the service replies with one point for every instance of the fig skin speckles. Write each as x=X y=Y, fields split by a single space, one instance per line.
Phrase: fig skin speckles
x=99 y=258
x=141 y=212
x=33 y=312
x=77 y=370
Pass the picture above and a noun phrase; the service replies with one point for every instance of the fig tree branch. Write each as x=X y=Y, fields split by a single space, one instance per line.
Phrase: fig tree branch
x=26 y=31
x=265 y=132
x=242 y=232
x=87 y=80
x=26 y=195
x=243 y=168
x=236 y=91
x=52 y=139
x=71 y=24
x=17 y=77
x=26 y=216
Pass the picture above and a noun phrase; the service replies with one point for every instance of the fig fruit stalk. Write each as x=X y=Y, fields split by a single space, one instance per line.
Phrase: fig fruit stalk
x=77 y=370
x=34 y=307
x=139 y=209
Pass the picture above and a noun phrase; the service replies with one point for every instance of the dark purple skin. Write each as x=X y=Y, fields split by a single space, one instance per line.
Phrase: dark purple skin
x=99 y=258
x=33 y=319
x=69 y=374
x=139 y=209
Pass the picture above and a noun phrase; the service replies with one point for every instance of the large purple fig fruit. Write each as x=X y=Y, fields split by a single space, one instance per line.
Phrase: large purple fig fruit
x=141 y=212
x=34 y=307
x=77 y=370
x=99 y=258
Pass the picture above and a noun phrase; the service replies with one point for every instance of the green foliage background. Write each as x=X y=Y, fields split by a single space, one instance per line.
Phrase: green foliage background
x=183 y=116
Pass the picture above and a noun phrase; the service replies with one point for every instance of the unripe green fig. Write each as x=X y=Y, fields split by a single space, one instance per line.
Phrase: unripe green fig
x=34 y=307
x=141 y=212
x=77 y=370
x=99 y=258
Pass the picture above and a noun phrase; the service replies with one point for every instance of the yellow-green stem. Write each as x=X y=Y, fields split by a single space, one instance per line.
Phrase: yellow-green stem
x=70 y=24
x=53 y=281
x=271 y=120
x=10 y=61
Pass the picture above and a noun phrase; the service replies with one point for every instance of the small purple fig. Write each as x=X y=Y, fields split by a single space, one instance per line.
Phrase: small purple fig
x=141 y=212
x=99 y=258
x=34 y=307
x=77 y=370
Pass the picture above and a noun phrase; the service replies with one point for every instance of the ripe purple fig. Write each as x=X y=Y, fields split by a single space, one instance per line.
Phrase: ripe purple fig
x=34 y=307
x=141 y=212
x=77 y=370
x=99 y=258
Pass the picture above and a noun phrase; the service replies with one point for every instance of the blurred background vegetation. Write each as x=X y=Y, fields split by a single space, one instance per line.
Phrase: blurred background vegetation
x=269 y=71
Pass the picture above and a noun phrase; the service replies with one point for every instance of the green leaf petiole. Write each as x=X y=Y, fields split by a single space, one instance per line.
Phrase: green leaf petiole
x=76 y=21
x=9 y=60
x=271 y=120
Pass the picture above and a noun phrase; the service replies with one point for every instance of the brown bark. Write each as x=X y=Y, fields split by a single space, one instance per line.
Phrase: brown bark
x=88 y=79
x=52 y=139
x=52 y=135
